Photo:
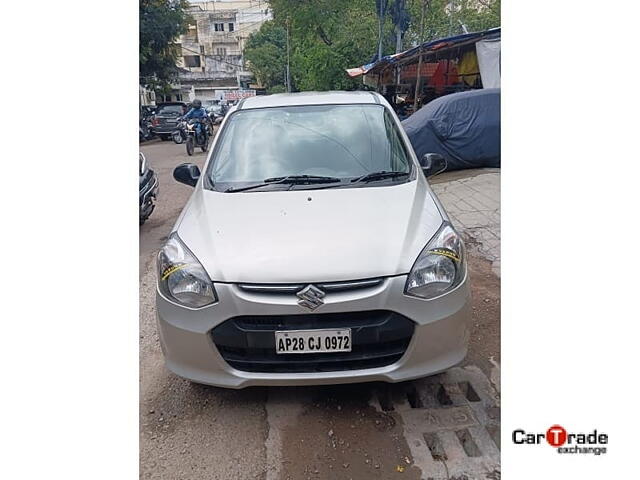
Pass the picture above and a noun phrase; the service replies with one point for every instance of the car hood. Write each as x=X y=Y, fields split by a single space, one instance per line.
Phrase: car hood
x=309 y=235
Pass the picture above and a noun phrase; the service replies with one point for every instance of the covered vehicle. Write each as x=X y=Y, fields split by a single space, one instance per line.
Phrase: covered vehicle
x=463 y=127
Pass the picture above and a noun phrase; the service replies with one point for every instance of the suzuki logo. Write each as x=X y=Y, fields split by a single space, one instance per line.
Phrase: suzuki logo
x=310 y=297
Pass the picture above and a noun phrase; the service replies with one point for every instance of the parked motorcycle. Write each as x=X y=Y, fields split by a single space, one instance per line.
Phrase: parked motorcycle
x=148 y=188
x=179 y=135
x=145 y=132
x=216 y=114
x=194 y=138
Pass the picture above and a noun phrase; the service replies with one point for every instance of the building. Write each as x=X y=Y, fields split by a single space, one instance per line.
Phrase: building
x=210 y=53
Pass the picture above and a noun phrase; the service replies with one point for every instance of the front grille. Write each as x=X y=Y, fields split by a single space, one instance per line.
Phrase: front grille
x=379 y=338
x=327 y=287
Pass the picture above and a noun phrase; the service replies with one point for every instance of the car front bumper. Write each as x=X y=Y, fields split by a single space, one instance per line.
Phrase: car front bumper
x=439 y=339
x=166 y=129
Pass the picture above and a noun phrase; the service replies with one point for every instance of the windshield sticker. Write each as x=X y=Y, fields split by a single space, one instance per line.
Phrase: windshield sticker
x=445 y=252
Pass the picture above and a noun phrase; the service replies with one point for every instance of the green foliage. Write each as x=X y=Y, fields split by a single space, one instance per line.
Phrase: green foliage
x=476 y=15
x=161 y=22
x=328 y=36
x=277 y=89
x=266 y=53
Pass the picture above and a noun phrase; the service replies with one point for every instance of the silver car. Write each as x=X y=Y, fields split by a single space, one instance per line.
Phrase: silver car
x=312 y=251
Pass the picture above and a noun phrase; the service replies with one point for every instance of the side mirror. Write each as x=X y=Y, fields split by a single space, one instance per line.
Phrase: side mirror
x=433 y=164
x=187 y=173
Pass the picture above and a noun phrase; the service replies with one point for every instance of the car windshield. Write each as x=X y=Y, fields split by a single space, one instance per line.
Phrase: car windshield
x=170 y=110
x=337 y=141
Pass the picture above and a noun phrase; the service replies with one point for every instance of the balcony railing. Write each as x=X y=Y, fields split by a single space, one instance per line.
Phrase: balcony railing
x=208 y=75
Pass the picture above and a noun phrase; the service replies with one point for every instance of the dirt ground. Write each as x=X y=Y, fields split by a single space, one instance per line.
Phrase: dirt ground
x=485 y=329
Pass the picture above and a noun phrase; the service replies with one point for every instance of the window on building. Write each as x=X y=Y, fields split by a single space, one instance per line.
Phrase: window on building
x=221 y=51
x=218 y=27
x=201 y=49
x=192 y=33
x=231 y=27
x=191 y=60
x=178 y=97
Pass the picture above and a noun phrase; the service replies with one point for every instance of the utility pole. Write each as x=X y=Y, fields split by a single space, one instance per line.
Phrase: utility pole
x=380 y=30
x=421 y=39
x=401 y=8
x=288 y=68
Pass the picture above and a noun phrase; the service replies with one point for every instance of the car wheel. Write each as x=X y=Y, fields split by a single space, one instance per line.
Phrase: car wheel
x=164 y=138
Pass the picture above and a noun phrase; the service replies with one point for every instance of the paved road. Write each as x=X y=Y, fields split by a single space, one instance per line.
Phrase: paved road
x=353 y=432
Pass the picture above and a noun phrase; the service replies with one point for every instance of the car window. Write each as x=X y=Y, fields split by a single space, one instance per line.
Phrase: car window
x=169 y=109
x=344 y=141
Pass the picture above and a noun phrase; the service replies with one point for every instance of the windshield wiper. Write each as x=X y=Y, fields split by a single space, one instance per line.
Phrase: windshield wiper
x=372 y=177
x=287 y=180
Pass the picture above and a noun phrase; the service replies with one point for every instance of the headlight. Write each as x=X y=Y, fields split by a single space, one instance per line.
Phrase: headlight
x=181 y=277
x=440 y=266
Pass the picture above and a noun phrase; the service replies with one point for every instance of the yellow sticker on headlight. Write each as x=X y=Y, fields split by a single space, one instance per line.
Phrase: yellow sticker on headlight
x=172 y=269
x=445 y=252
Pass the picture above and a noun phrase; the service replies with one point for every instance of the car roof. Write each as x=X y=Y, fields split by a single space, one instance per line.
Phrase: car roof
x=309 y=98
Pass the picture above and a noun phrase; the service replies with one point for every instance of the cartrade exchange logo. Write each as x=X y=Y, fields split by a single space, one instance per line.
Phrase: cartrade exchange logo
x=591 y=443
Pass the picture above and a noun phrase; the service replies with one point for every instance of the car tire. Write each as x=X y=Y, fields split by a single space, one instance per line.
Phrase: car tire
x=164 y=137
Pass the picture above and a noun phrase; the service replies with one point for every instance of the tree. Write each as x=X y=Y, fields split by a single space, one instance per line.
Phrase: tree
x=161 y=23
x=326 y=37
x=266 y=53
x=444 y=18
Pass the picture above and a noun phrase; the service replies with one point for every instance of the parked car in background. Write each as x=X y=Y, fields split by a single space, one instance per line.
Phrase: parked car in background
x=312 y=251
x=462 y=127
x=148 y=188
x=165 y=120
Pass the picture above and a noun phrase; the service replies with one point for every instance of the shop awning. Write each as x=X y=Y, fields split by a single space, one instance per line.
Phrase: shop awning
x=431 y=46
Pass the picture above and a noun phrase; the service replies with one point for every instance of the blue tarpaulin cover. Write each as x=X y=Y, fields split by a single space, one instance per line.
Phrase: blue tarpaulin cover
x=463 y=127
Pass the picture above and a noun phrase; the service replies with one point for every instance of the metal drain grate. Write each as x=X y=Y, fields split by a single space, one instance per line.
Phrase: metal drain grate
x=451 y=423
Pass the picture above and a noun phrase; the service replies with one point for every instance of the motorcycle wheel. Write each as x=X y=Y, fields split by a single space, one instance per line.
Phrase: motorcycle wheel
x=205 y=145
x=190 y=146
x=177 y=137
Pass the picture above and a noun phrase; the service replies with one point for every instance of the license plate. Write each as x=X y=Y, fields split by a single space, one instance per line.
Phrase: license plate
x=313 y=341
